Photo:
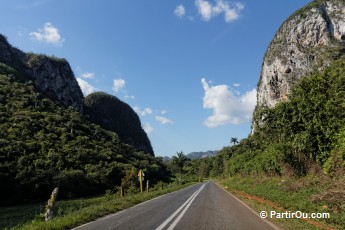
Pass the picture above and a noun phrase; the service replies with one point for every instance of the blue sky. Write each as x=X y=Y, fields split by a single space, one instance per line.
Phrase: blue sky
x=188 y=68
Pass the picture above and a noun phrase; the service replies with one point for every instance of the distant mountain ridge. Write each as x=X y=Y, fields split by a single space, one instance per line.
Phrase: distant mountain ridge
x=195 y=155
x=198 y=155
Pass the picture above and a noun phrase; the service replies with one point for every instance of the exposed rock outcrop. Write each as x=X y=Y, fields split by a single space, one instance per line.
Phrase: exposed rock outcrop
x=51 y=76
x=306 y=42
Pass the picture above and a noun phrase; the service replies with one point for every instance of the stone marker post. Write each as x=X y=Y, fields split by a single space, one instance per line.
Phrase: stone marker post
x=50 y=208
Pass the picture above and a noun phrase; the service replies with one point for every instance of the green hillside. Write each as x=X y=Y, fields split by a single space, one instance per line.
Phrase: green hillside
x=115 y=115
x=43 y=145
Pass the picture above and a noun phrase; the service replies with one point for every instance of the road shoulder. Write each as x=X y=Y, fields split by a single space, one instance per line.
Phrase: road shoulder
x=273 y=225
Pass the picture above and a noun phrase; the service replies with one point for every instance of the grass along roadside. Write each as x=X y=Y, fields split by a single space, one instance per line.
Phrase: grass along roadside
x=311 y=194
x=72 y=213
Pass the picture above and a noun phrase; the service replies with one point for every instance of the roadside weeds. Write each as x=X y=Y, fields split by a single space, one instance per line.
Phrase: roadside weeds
x=73 y=213
x=267 y=196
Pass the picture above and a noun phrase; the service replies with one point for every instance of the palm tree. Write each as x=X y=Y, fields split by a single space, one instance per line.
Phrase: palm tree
x=234 y=140
x=179 y=161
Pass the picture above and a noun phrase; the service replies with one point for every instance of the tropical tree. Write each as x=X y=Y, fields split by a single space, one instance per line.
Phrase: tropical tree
x=234 y=140
x=180 y=161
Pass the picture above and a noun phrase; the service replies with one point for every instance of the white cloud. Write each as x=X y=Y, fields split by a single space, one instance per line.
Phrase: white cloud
x=236 y=84
x=180 y=11
x=163 y=120
x=85 y=87
x=87 y=75
x=204 y=9
x=227 y=108
x=148 y=128
x=207 y=10
x=48 y=34
x=147 y=111
x=144 y=112
x=118 y=84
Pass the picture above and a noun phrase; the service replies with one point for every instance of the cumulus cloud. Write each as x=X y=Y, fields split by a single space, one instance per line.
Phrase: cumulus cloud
x=227 y=108
x=85 y=87
x=149 y=112
x=208 y=10
x=236 y=84
x=148 y=128
x=118 y=84
x=142 y=112
x=204 y=9
x=49 y=34
x=180 y=11
x=163 y=120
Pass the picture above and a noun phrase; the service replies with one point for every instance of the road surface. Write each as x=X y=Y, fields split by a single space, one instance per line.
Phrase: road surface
x=201 y=206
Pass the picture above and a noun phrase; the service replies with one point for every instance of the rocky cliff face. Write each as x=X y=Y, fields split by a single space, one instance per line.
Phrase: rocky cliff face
x=51 y=76
x=307 y=41
x=55 y=78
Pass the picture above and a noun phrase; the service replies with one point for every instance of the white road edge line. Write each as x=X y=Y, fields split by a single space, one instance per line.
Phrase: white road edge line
x=160 y=227
x=172 y=226
x=250 y=209
x=119 y=212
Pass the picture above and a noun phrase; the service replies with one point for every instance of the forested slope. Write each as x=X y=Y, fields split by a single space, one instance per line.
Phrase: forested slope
x=115 y=115
x=43 y=145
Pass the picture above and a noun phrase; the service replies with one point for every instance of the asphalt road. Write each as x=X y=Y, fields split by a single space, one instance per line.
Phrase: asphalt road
x=201 y=206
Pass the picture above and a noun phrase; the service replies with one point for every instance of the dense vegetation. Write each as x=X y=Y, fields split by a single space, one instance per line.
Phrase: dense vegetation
x=116 y=116
x=311 y=193
x=303 y=135
x=295 y=160
x=43 y=145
